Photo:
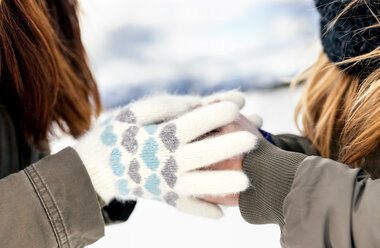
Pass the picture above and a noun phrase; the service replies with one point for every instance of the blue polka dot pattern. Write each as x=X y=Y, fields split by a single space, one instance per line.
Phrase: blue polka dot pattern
x=148 y=154
x=151 y=129
x=152 y=184
x=122 y=186
x=115 y=161
x=108 y=137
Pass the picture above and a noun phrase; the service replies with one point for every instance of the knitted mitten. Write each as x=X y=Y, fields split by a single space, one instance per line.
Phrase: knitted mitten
x=134 y=154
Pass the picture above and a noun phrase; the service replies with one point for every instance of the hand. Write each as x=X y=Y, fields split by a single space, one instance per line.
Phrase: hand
x=134 y=154
x=242 y=123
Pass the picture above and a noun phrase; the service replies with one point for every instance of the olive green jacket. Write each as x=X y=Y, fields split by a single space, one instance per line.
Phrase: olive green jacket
x=317 y=202
x=48 y=201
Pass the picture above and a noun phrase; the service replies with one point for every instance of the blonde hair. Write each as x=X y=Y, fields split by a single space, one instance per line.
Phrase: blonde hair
x=340 y=112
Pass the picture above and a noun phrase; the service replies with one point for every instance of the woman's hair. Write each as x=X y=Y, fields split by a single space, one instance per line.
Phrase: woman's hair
x=341 y=111
x=44 y=75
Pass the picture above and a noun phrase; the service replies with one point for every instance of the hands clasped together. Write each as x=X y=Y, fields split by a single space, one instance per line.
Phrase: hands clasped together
x=161 y=148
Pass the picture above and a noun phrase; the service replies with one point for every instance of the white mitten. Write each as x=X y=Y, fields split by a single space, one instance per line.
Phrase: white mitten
x=255 y=119
x=166 y=106
x=134 y=154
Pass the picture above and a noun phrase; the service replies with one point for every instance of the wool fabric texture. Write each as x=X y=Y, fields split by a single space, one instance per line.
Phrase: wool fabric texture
x=151 y=149
x=350 y=36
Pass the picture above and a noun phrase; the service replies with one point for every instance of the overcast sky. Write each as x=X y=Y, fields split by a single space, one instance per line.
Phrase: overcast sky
x=153 y=44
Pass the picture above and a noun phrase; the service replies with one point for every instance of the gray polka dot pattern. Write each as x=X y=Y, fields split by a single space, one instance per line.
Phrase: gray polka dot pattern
x=170 y=198
x=133 y=171
x=168 y=137
x=126 y=115
x=138 y=192
x=169 y=172
x=129 y=141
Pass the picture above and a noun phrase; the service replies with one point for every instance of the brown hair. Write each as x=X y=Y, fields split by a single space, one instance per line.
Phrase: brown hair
x=45 y=78
x=341 y=111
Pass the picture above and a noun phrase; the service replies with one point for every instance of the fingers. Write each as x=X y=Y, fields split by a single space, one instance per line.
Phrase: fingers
x=228 y=200
x=215 y=149
x=255 y=120
x=234 y=96
x=198 y=207
x=203 y=120
x=157 y=109
x=223 y=182
x=165 y=107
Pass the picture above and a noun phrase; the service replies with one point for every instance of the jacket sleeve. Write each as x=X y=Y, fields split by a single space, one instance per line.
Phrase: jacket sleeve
x=317 y=202
x=51 y=203
x=294 y=143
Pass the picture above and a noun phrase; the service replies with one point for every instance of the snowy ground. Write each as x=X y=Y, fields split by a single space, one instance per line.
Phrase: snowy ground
x=154 y=224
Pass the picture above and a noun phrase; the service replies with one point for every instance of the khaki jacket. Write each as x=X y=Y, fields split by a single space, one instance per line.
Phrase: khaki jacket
x=48 y=201
x=317 y=202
